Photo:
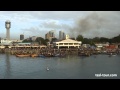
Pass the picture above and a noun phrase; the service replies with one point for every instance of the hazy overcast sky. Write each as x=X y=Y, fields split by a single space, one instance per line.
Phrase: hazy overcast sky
x=38 y=23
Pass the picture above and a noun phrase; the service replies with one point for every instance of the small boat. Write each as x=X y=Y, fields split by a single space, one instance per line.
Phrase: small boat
x=56 y=55
x=47 y=69
x=22 y=55
x=41 y=56
x=112 y=54
x=59 y=55
x=62 y=55
x=84 y=54
x=34 y=55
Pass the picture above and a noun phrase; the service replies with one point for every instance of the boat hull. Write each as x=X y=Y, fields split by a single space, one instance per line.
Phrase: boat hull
x=22 y=55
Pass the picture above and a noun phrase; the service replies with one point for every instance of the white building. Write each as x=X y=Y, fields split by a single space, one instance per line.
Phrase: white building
x=86 y=45
x=50 y=35
x=5 y=42
x=8 y=42
x=33 y=38
x=67 y=43
x=67 y=37
x=100 y=45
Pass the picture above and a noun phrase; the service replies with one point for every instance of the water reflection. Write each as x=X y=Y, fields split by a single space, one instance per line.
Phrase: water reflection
x=8 y=66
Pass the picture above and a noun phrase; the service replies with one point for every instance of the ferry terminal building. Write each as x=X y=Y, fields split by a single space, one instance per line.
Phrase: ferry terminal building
x=68 y=43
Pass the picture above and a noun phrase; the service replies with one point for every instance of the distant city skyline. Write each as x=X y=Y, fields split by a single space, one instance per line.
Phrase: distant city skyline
x=38 y=23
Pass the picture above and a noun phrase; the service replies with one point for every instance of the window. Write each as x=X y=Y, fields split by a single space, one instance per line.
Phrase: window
x=65 y=43
x=60 y=43
x=70 y=43
x=76 y=44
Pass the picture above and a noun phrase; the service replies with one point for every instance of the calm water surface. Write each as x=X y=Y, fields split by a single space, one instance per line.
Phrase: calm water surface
x=70 y=67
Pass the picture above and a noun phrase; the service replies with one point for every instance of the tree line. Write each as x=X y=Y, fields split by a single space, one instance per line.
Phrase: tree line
x=94 y=40
x=84 y=40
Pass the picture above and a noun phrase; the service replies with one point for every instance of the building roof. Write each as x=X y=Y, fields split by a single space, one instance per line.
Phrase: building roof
x=24 y=43
x=69 y=41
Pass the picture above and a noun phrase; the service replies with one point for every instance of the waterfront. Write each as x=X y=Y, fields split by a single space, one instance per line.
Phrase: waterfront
x=70 y=67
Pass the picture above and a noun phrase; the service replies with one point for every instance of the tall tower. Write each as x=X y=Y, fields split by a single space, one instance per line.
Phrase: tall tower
x=8 y=26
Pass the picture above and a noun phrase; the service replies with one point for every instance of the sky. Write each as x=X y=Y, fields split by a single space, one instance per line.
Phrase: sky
x=37 y=23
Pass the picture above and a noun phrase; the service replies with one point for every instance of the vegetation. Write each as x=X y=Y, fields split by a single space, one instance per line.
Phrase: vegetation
x=39 y=40
x=26 y=40
x=92 y=41
x=54 y=40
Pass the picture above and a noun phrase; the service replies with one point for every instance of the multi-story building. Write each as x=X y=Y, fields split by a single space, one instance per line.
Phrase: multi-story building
x=47 y=36
x=0 y=39
x=21 y=37
x=50 y=35
x=61 y=35
x=33 y=38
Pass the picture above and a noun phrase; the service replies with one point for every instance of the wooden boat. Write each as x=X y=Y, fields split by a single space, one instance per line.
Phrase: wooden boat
x=34 y=55
x=22 y=55
x=56 y=55
x=41 y=56
x=84 y=54
x=59 y=55
x=62 y=55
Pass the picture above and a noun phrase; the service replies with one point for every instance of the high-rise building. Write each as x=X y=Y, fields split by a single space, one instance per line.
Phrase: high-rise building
x=61 y=35
x=47 y=36
x=8 y=26
x=0 y=39
x=51 y=33
x=21 y=37
x=33 y=38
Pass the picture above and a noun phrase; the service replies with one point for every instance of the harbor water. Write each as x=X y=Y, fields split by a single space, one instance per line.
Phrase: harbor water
x=69 y=67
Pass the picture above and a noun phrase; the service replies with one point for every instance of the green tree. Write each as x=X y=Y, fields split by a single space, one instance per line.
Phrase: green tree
x=86 y=41
x=46 y=40
x=79 y=38
x=25 y=41
x=72 y=38
x=54 y=40
x=96 y=39
x=103 y=39
x=41 y=41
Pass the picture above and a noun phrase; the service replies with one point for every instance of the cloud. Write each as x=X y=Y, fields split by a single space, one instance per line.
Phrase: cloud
x=54 y=24
x=87 y=23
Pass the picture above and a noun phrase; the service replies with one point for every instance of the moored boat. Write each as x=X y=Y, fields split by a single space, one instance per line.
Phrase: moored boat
x=59 y=55
x=112 y=54
x=41 y=56
x=56 y=55
x=34 y=55
x=22 y=55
